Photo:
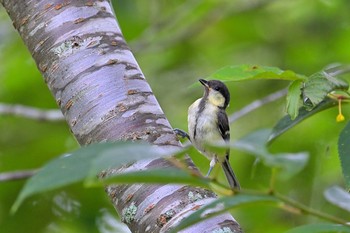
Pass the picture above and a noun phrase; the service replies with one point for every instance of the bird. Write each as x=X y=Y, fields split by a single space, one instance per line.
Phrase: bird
x=208 y=123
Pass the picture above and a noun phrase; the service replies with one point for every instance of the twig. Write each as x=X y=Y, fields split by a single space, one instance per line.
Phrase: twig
x=257 y=104
x=17 y=175
x=308 y=210
x=31 y=112
x=296 y=207
x=338 y=70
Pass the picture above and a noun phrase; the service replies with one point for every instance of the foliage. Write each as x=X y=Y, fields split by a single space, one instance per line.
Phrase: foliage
x=101 y=157
x=84 y=163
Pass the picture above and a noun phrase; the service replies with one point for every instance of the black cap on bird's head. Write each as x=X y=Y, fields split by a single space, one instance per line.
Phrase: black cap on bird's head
x=218 y=86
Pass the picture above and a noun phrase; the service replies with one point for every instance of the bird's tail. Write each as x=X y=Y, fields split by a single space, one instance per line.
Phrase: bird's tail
x=230 y=175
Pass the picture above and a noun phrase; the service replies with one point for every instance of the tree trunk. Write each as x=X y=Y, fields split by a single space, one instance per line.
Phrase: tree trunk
x=80 y=50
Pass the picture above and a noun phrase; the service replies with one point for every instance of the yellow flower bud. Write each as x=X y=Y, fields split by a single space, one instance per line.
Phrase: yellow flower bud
x=340 y=117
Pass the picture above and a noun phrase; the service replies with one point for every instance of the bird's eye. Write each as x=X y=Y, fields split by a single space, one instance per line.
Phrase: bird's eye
x=216 y=88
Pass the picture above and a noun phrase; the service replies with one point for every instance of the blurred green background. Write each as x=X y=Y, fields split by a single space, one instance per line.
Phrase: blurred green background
x=176 y=43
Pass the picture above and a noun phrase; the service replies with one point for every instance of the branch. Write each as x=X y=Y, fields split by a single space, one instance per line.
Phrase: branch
x=17 y=175
x=257 y=104
x=308 y=210
x=296 y=207
x=31 y=112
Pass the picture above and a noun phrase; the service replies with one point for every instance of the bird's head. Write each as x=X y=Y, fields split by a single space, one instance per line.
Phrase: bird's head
x=216 y=92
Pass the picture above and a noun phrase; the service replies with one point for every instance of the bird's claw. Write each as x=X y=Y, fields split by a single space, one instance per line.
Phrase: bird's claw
x=182 y=134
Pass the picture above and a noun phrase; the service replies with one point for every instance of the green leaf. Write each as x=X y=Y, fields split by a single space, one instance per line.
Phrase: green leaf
x=127 y=152
x=318 y=86
x=338 y=197
x=344 y=152
x=286 y=122
x=84 y=162
x=220 y=206
x=315 y=91
x=320 y=227
x=293 y=99
x=289 y=164
x=254 y=143
x=154 y=176
x=249 y=72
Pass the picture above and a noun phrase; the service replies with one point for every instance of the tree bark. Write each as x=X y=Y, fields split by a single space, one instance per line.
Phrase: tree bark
x=80 y=50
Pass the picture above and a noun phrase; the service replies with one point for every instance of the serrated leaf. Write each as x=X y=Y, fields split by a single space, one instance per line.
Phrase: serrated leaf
x=318 y=85
x=320 y=228
x=293 y=99
x=288 y=164
x=339 y=197
x=344 y=152
x=249 y=72
x=286 y=122
x=154 y=176
x=220 y=206
x=75 y=167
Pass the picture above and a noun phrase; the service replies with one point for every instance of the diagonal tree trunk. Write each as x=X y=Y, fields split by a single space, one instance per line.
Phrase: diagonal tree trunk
x=80 y=50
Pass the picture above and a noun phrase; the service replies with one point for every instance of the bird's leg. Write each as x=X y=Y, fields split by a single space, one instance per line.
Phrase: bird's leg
x=211 y=166
x=181 y=133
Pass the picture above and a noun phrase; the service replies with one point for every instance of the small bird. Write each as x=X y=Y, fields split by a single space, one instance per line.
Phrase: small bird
x=208 y=123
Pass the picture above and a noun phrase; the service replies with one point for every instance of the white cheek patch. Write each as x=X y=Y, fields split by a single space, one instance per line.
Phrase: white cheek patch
x=216 y=98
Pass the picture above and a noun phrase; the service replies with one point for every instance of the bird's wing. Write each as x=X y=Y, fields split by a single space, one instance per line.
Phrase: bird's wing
x=224 y=128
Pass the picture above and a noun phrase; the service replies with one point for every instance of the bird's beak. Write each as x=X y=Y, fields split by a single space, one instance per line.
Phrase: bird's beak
x=204 y=82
